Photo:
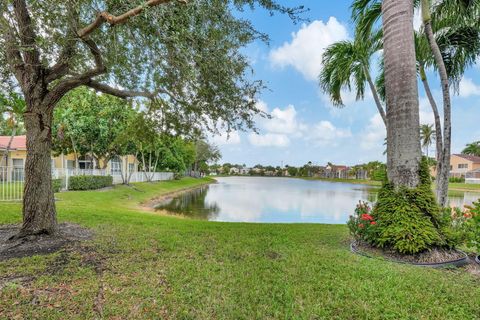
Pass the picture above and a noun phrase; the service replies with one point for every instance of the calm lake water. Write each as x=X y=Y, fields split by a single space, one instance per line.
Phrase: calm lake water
x=282 y=200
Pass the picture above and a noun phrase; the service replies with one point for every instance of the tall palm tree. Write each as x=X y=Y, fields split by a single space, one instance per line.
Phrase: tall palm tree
x=427 y=136
x=347 y=64
x=472 y=149
x=453 y=44
x=403 y=134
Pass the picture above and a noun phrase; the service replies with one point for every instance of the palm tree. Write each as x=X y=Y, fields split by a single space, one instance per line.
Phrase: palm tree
x=472 y=149
x=452 y=44
x=403 y=134
x=347 y=64
x=427 y=136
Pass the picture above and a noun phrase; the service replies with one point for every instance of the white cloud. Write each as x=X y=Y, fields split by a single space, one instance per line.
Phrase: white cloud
x=374 y=134
x=269 y=140
x=426 y=113
x=348 y=98
x=305 y=50
x=283 y=121
x=225 y=138
x=325 y=133
x=284 y=125
x=468 y=88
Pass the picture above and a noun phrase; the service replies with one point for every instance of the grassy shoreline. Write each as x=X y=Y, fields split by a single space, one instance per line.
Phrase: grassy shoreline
x=451 y=186
x=143 y=265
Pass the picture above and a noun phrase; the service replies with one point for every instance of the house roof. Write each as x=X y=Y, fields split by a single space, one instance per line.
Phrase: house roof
x=473 y=159
x=18 y=143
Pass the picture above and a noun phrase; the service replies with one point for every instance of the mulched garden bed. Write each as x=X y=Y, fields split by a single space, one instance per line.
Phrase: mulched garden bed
x=68 y=233
x=436 y=257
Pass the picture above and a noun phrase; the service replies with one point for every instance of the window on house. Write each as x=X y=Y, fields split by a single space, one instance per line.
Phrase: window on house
x=70 y=164
x=85 y=163
x=463 y=166
x=17 y=171
x=116 y=165
x=131 y=167
x=17 y=162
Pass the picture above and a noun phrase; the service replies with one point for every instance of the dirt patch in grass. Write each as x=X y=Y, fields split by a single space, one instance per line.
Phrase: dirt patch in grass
x=435 y=255
x=67 y=234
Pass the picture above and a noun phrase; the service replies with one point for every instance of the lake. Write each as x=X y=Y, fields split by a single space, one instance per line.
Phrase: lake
x=279 y=200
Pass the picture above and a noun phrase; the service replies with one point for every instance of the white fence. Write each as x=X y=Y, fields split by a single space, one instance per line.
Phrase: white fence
x=11 y=183
x=12 y=178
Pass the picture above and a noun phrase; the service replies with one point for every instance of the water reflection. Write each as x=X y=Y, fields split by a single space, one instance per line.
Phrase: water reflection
x=256 y=199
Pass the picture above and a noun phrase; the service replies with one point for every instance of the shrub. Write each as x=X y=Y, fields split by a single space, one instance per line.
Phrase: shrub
x=468 y=222
x=456 y=179
x=56 y=185
x=89 y=182
x=362 y=225
x=406 y=220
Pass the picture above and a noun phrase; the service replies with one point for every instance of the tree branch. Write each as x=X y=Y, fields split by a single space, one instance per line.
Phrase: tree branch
x=13 y=55
x=27 y=34
x=124 y=94
x=104 y=16
x=77 y=80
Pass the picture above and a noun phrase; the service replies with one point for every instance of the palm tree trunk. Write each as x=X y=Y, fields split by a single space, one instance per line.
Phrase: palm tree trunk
x=403 y=130
x=378 y=103
x=442 y=176
x=438 y=126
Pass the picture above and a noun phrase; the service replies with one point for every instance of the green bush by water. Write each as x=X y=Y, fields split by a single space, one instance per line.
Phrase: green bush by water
x=90 y=182
x=407 y=220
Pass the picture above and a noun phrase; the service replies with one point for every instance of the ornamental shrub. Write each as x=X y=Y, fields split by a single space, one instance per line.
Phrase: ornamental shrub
x=89 y=182
x=56 y=185
x=471 y=225
x=407 y=220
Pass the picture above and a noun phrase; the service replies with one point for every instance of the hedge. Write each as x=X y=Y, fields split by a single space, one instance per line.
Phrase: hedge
x=89 y=182
x=56 y=185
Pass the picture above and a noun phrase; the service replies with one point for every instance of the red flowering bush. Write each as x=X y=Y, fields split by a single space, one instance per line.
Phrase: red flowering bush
x=362 y=224
x=467 y=223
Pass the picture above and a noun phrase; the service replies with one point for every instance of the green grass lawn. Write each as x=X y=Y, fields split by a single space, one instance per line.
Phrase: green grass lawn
x=156 y=267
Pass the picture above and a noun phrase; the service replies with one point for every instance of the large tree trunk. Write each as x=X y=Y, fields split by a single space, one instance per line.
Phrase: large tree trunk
x=39 y=214
x=443 y=175
x=403 y=131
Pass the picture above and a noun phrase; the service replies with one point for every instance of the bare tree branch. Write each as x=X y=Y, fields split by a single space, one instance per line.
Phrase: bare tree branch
x=104 y=16
x=14 y=57
x=27 y=35
x=77 y=80
x=62 y=67
x=124 y=94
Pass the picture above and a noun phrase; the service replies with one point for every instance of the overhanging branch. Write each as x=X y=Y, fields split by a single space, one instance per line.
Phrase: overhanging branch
x=26 y=34
x=104 y=16
x=124 y=94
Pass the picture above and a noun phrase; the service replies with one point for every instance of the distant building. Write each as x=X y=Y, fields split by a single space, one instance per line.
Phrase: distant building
x=336 y=171
x=245 y=171
x=234 y=170
x=463 y=166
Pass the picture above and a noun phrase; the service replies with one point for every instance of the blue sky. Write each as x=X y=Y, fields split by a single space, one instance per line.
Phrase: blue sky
x=305 y=126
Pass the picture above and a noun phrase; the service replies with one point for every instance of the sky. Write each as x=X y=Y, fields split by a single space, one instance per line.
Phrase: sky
x=304 y=125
